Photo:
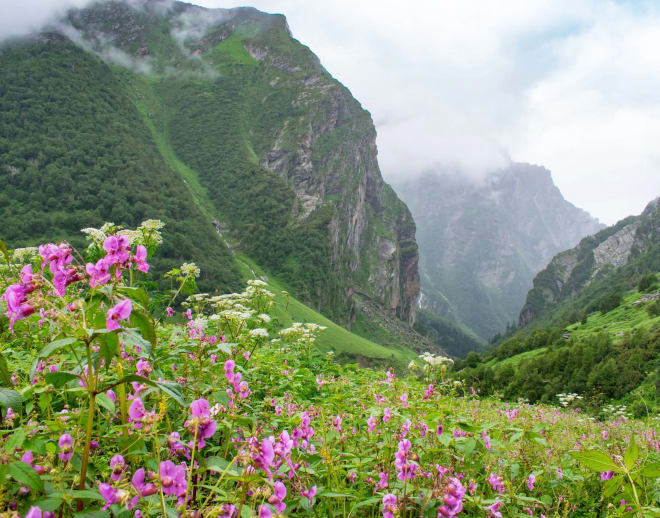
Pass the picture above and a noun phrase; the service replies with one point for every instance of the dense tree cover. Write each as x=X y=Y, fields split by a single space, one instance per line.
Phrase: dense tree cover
x=74 y=152
x=447 y=335
x=593 y=365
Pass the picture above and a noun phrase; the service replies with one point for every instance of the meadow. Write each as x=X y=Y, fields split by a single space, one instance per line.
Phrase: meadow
x=121 y=401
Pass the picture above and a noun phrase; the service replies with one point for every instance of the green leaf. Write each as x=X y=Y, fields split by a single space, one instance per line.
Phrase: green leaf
x=631 y=455
x=612 y=486
x=595 y=460
x=651 y=470
x=104 y=401
x=86 y=494
x=132 y=337
x=220 y=465
x=49 y=349
x=136 y=294
x=337 y=495
x=170 y=388
x=374 y=500
x=15 y=441
x=26 y=475
x=10 y=399
x=59 y=379
x=50 y=503
x=146 y=326
x=5 y=377
x=109 y=347
x=5 y=252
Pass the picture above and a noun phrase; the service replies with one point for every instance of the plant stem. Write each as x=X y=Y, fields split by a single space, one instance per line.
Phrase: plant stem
x=192 y=465
x=162 y=496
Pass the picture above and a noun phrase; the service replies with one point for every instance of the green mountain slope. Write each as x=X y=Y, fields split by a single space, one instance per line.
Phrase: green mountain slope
x=222 y=125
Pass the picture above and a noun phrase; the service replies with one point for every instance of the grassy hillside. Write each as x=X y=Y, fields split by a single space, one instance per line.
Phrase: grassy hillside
x=612 y=354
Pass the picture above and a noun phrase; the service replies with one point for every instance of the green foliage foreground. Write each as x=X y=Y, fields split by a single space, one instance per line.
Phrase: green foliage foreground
x=113 y=404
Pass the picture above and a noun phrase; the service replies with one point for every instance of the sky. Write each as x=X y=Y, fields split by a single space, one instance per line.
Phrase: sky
x=467 y=86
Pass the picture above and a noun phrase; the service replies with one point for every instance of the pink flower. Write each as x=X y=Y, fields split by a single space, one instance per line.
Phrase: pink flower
x=606 y=475
x=404 y=400
x=136 y=412
x=140 y=486
x=371 y=423
x=201 y=420
x=173 y=478
x=143 y=368
x=118 y=466
x=309 y=493
x=109 y=493
x=264 y=512
x=494 y=510
x=66 y=447
x=496 y=483
x=98 y=272
x=530 y=482
x=389 y=505
x=453 y=499
x=387 y=415
x=170 y=312
x=141 y=259
x=120 y=312
x=277 y=498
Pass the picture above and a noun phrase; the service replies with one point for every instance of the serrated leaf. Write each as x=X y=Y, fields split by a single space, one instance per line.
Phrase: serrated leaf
x=146 y=326
x=132 y=337
x=612 y=486
x=26 y=475
x=596 y=461
x=15 y=440
x=170 y=388
x=59 y=379
x=86 y=494
x=104 y=401
x=10 y=399
x=631 y=455
x=48 y=504
x=137 y=294
x=109 y=347
x=651 y=470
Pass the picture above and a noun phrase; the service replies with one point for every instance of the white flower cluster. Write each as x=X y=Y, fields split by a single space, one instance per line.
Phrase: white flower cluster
x=616 y=410
x=259 y=332
x=299 y=332
x=436 y=361
x=96 y=235
x=566 y=399
x=189 y=270
x=24 y=255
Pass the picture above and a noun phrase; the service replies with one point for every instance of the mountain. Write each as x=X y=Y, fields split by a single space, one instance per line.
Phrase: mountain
x=590 y=326
x=220 y=123
x=576 y=281
x=482 y=240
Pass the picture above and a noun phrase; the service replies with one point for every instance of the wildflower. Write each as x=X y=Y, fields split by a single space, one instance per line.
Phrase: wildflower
x=277 y=498
x=405 y=470
x=371 y=423
x=264 y=512
x=118 y=466
x=170 y=312
x=453 y=499
x=136 y=412
x=201 y=421
x=606 y=475
x=530 y=482
x=66 y=447
x=173 y=478
x=404 y=400
x=36 y=512
x=119 y=312
x=496 y=483
x=389 y=505
x=140 y=258
x=494 y=510
x=109 y=493
x=10 y=415
x=98 y=272
x=309 y=494
x=387 y=415
x=143 y=368
x=138 y=483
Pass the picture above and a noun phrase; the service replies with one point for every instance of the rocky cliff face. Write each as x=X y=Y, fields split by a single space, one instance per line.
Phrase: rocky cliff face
x=237 y=97
x=634 y=239
x=482 y=241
